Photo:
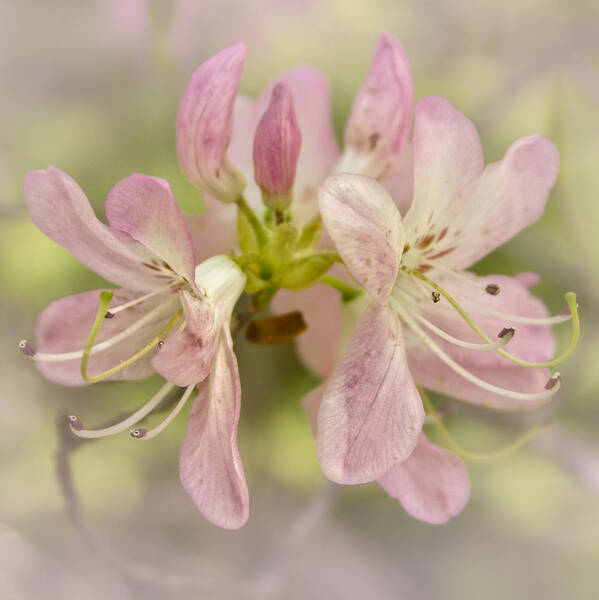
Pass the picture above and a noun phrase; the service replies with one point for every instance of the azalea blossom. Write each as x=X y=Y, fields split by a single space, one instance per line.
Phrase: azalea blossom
x=429 y=321
x=169 y=316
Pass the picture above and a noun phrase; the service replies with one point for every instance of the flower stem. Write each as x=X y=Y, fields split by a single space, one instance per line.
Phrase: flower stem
x=259 y=231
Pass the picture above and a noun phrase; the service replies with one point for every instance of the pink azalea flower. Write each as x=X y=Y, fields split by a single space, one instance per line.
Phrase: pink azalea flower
x=416 y=328
x=169 y=316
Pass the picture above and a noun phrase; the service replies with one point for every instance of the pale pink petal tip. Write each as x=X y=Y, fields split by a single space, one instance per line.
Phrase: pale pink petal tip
x=432 y=484
x=205 y=124
x=379 y=124
x=276 y=149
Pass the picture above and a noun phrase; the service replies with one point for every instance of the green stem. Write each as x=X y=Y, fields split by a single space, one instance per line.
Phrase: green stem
x=259 y=231
x=347 y=291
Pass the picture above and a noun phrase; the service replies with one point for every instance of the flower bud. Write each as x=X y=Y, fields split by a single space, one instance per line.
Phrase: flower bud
x=379 y=123
x=277 y=145
x=205 y=124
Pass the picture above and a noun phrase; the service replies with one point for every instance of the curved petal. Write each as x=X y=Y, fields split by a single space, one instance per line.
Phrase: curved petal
x=400 y=184
x=318 y=346
x=366 y=227
x=510 y=195
x=64 y=326
x=447 y=155
x=205 y=124
x=144 y=207
x=60 y=210
x=432 y=484
x=379 y=123
x=311 y=405
x=209 y=464
x=371 y=412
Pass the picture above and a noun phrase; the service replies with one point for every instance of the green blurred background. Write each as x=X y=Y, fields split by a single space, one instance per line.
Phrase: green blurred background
x=93 y=88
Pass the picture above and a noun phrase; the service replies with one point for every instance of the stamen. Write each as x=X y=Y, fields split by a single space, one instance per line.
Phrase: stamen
x=142 y=434
x=105 y=298
x=131 y=420
x=570 y=299
x=481 y=457
x=463 y=372
x=509 y=331
x=75 y=423
x=117 y=309
x=504 y=339
x=492 y=289
x=436 y=296
x=27 y=349
x=77 y=354
x=553 y=381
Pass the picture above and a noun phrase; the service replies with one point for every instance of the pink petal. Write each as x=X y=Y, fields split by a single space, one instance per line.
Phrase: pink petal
x=205 y=123
x=447 y=155
x=186 y=358
x=311 y=403
x=371 y=413
x=510 y=195
x=65 y=324
x=379 y=124
x=531 y=342
x=432 y=484
x=144 y=207
x=318 y=346
x=61 y=211
x=276 y=149
x=366 y=227
x=400 y=184
x=209 y=465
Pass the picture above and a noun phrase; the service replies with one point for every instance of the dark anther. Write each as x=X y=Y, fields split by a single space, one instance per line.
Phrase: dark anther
x=436 y=296
x=138 y=433
x=26 y=348
x=492 y=289
x=160 y=344
x=108 y=315
x=75 y=423
x=506 y=331
x=555 y=378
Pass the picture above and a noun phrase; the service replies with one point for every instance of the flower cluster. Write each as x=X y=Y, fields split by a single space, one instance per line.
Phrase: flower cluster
x=404 y=217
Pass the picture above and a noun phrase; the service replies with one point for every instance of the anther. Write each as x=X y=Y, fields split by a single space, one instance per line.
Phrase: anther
x=436 y=296
x=506 y=331
x=74 y=422
x=492 y=289
x=553 y=381
x=160 y=344
x=108 y=315
x=26 y=348
x=138 y=433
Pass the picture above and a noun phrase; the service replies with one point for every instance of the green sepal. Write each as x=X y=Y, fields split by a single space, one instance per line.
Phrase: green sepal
x=281 y=247
x=251 y=265
x=304 y=272
x=309 y=236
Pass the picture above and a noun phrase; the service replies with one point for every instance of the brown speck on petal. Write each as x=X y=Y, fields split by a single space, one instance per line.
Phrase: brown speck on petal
x=492 y=289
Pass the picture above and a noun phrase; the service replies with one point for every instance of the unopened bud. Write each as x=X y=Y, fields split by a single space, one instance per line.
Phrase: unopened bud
x=492 y=289
x=277 y=145
x=26 y=348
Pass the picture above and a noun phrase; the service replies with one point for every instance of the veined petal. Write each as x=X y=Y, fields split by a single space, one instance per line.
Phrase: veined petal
x=205 y=123
x=65 y=324
x=144 y=207
x=510 y=195
x=209 y=465
x=214 y=231
x=432 y=484
x=366 y=228
x=371 y=412
x=379 y=123
x=447 y=155
x=61 y=211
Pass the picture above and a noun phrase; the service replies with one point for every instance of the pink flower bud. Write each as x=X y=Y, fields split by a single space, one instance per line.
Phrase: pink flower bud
x=379 y=124
x=205 y=123
x=277 y=145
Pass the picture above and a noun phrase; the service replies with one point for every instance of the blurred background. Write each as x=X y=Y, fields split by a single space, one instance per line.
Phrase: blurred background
x=93 y=88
